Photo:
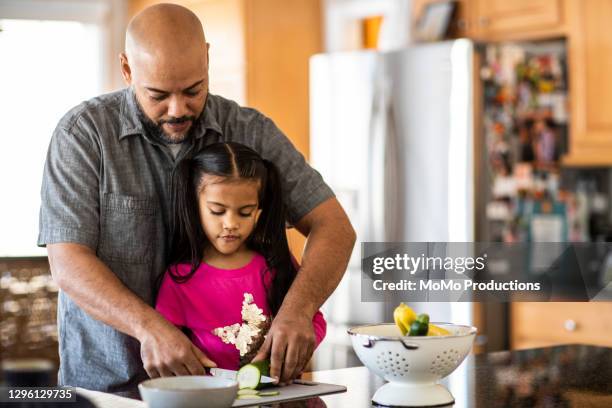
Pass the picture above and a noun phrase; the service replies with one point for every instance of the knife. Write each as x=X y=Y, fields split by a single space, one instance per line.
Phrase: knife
x=232 y=375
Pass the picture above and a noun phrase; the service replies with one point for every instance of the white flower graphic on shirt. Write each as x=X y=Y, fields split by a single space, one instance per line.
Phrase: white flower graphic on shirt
x=243 y=334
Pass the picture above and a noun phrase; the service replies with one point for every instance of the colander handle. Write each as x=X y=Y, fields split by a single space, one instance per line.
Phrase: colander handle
x=369 y=343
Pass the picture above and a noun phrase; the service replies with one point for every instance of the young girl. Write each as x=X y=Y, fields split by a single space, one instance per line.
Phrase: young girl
x=230 y=265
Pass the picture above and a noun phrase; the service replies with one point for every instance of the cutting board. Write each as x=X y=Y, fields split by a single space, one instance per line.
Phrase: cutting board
x=295 y=391
x=287 y=393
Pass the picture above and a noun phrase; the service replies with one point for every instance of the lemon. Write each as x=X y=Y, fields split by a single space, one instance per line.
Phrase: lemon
x=404 y=316
x=437 y=331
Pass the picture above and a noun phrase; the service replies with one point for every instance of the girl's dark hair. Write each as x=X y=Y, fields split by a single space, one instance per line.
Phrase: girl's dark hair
x=232 y=161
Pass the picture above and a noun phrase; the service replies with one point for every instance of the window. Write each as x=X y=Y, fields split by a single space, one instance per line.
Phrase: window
x=47 y=66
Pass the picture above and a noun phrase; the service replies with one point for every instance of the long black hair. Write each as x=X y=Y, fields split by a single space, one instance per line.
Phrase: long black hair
x=231 y=161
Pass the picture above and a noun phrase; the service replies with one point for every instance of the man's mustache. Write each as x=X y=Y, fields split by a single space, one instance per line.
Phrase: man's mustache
x=177 y=120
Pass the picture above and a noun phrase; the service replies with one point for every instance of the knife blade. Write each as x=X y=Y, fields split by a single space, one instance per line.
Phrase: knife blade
x=233 y=374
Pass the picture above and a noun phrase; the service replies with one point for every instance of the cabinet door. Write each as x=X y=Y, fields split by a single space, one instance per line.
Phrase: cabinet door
x=590 y=62
x=501 y=19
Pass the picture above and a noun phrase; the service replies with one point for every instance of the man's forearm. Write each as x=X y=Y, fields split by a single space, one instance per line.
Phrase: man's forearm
x=96 y=289
x=330 y=242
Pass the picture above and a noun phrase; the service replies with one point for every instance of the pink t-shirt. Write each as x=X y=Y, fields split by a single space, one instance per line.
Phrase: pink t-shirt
x=213 y=299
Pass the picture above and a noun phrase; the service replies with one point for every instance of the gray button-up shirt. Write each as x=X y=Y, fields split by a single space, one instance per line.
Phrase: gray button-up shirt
x=106 y=186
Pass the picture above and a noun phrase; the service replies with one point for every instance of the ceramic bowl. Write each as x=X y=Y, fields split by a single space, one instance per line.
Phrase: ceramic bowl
x=188 y=392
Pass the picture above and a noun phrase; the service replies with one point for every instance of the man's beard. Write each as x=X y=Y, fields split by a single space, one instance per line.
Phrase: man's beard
x=156 y=131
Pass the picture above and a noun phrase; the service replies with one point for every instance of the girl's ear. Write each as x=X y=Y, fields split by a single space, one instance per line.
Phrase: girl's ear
x=257 y=214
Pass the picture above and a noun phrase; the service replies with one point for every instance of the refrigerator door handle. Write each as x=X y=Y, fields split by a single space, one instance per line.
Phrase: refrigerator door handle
x=393 y=184
x=375 y=218
x=384 y=182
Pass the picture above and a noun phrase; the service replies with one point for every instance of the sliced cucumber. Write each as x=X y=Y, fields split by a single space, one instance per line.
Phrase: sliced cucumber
x=244 y=397
x=249 y=376
x=268 y=393
x=247 y=391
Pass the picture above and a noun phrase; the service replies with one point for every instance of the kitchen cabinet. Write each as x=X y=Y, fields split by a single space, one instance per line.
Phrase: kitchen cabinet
x=545 y=324
x=510 y=20
x=586 y=27
x=502 y=20
x=590 y=65
x=280 y=38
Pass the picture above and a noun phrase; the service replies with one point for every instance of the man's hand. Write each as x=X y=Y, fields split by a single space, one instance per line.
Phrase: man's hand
x=289 y=346
x=291 y=339
x=166 y=351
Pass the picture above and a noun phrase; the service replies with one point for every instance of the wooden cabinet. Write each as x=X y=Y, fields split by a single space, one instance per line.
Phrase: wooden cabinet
x=281 y=36
x=544 y=324
x=590 y=66
x=586 y=27
x=502 y=20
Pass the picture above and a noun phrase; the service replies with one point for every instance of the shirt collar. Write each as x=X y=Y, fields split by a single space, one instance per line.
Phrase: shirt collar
x=132 y=125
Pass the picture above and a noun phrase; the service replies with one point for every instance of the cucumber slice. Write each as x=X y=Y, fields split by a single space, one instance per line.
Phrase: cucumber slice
x=249 y=376
x=268 y=393
x=244 y=397
x=248 y=391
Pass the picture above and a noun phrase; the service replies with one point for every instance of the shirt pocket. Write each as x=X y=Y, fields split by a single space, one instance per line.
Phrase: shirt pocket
x=128 y=228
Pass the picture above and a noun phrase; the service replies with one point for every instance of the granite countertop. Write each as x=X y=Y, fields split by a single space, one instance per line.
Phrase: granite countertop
x=561 y=376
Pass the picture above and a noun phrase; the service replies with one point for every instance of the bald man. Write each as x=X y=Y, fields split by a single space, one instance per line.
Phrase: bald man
x=105 y=213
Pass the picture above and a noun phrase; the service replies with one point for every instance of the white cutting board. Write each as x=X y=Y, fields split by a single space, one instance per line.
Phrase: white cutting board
x=292 y=392
x=287 y=393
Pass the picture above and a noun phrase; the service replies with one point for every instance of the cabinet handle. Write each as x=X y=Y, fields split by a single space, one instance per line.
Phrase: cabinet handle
x=570 y=325
x=484 y=21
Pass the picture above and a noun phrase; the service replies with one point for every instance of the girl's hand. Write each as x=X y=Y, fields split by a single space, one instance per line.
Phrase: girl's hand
x=166 y=351
x=289 y=346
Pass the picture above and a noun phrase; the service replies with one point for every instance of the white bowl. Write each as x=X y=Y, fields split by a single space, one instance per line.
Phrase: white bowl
x=189 y=392
x=411 y=364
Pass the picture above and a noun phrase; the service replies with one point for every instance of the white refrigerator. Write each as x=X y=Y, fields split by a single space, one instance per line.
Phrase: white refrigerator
x=392 y=134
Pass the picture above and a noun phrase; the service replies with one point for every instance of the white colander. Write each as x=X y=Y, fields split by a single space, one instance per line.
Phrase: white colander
x=411 y=364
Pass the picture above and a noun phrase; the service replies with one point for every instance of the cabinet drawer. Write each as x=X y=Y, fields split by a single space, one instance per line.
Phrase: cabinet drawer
x=555 y=323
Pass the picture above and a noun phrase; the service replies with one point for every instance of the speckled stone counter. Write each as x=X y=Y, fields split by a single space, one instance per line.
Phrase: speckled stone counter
x=572 y=376
x=562 y=376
